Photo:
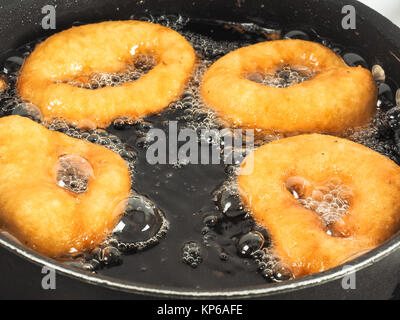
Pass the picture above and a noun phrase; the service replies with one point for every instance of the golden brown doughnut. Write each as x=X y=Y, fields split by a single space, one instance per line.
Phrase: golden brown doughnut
x=306 y=164
x=35 y=209
x=107 y=47
x=336 y=98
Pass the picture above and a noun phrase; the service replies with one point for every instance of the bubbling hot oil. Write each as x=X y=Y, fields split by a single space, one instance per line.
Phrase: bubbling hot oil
x=284 y=77
x=141 y=65
x=331 y=201
x=73 y=173
x=227 y=230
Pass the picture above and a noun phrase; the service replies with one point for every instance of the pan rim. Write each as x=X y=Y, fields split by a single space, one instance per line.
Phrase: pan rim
x=336 y=273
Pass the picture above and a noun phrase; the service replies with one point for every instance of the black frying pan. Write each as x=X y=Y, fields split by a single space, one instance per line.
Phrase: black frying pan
x=377 y=273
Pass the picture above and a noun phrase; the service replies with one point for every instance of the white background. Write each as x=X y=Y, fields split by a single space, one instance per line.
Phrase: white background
x=389 y=8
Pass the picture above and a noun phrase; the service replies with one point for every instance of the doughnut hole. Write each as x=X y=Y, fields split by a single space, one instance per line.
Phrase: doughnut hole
x=331 y=201
x=141 y=64
x=284 y=77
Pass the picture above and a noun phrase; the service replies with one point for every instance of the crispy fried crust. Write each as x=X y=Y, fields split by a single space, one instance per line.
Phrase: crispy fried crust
x=338 y=97
x=297 y=234
x=106 y=47
x=42 y=215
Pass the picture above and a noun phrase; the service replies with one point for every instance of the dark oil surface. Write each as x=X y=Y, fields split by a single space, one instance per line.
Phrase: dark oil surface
x=185 y=195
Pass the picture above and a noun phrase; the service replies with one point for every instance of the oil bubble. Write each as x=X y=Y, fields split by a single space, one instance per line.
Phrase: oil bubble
x=330 y=202
x=205 y=230
x=141 y=226
x=224 y=256
x=59 y=126
x=92 y=265
x=110 y=256
x=73 y=173
x=378 y=73
x=210 y=221
x=100 y=137
x=191 y=254
x=140 y=222
x=101 y=256
x=393 y=117
x=281 y=273
x=123 y=123
x=94 y=138
x=250 y=243
x=144 y=126
x=13 y=64
x=270 y=267
x=141 y=142
x=230 y=204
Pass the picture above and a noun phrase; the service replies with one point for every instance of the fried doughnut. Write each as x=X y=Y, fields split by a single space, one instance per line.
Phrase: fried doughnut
x=307 y=164
x=40 y=213
x=108 y=47
x=336 y=98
